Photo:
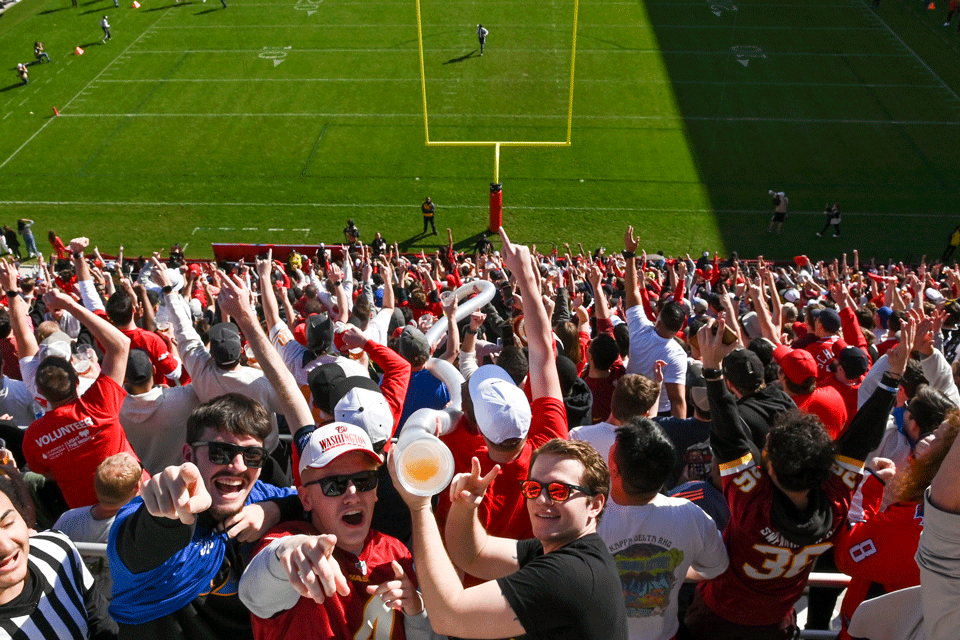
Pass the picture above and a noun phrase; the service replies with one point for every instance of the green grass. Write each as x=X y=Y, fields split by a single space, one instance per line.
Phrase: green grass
x=183 y=128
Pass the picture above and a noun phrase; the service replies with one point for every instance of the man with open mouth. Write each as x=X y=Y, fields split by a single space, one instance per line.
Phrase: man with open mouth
x=175 y=554
x=334 y=576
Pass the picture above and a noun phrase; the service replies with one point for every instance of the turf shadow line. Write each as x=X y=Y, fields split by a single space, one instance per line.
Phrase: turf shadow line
x=313 y=151
x=125 y=121
x=931 y=167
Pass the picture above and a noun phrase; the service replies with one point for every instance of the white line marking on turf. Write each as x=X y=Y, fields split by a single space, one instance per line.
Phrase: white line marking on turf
x=79 y=93
x=8 y=115
x=468 y=207
x=913 y=53
x=515 y=117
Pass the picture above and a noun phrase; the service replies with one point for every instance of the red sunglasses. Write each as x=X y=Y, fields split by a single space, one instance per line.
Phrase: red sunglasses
x=558 y=491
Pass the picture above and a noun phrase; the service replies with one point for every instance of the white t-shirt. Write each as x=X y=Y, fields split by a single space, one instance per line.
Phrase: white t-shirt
x=646 y=347
x=601 y=435
x=653 y=545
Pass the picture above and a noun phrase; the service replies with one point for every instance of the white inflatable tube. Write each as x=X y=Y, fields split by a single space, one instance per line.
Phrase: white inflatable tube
x=445 y=420
x=487 y=289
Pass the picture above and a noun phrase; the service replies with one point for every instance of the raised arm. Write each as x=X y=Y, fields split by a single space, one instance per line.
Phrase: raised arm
x=115 y=344
x=234 y=299
x=630 y=244
x=544 y=380
x=19 y=311
x=271 y=311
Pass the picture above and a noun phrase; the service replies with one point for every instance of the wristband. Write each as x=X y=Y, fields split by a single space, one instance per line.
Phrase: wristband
x=471 y=332
x=712 y=375
x=629 y=254
x=12 y=293
x=167 y=289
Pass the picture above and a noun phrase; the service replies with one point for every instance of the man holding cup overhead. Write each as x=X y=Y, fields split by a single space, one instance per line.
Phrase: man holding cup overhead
x=563 y=583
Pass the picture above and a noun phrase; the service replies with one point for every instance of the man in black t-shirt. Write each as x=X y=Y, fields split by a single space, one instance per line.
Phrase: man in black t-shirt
x=561 y=584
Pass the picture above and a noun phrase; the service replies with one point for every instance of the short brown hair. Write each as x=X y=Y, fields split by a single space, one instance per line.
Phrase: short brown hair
x=116 y=480
x=633 y=396
x=56 y=379
x=596 y=476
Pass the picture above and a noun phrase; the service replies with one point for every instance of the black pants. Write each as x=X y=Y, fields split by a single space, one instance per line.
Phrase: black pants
x=828 y=225
x=429 y=221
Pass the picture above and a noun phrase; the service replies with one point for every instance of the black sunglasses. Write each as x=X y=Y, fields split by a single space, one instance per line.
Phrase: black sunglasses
x=558 y=491
x=333 y=486
x=224 y=453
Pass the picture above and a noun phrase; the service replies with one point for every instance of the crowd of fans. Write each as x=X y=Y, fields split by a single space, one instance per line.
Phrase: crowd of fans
x=643 y=446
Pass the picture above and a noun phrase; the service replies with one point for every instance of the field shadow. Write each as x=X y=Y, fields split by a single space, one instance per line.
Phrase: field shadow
x=461 y=58
x=49 y=11
x=468 y=244
x=13 y=86
x=90 y=44
x=206 y=11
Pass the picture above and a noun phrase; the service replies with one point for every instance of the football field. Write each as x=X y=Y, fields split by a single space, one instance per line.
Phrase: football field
x=277 y=121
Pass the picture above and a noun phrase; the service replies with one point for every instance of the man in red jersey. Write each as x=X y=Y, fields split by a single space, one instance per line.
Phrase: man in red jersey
x=786 y=506
x=284 y=584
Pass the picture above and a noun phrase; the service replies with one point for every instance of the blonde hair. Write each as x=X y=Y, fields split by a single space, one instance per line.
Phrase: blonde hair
x=117 y=480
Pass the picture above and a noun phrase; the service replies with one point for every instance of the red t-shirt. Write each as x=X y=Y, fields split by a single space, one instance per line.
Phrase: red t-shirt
x=827 y=404
x=767 y=573
x=69 y=442
x=161 y=358
x=342 y=616
x=11 y=361
x=880 y=549
x=848 y=392
x=503 y=512
x=822 y=351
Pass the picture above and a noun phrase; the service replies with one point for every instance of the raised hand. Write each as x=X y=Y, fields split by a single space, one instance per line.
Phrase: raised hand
x=177 y=493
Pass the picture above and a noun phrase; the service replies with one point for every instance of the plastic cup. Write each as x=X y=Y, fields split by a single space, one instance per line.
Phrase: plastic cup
x=447 y=298
x=424 y=465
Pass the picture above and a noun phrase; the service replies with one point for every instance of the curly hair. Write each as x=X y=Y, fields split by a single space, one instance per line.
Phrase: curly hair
x=800 y=451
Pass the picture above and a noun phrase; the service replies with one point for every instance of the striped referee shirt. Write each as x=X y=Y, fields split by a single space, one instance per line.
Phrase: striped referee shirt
x=56 y=596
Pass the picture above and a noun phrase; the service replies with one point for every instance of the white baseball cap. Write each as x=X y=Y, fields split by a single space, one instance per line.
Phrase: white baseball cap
x=500 y=407
x=331 y=441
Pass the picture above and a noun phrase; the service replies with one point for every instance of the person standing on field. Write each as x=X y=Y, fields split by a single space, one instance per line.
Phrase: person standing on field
x=427 y=208
x=106 y=29
x=482 y=35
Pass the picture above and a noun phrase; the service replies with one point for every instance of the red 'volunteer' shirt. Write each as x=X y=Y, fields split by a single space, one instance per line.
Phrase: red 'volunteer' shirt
x=69 y=442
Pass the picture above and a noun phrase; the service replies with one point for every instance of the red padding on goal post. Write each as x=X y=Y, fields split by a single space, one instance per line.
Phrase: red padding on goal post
x=496 y=206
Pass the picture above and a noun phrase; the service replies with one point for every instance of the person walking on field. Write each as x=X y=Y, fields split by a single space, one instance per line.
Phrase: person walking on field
x=832 y=214
x=780 y=202
x=22 y=73
x=482 y=35
x=106 y=29
x=427 y=208
x=39 y=53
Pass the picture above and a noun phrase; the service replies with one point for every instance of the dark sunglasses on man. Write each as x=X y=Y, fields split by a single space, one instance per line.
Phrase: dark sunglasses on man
x=333 y=486
x=558 y=491
x=225 y=452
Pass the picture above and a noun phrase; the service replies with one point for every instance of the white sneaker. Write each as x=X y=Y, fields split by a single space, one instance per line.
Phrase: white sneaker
x=819 y=234
x=946 y=24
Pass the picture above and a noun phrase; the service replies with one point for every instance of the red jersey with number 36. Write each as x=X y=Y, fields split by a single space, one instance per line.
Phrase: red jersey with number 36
x=767 y=572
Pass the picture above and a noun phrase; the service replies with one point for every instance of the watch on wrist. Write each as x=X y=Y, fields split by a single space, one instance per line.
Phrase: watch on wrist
x=629 y=254
x=11 y=293
x=167 y=289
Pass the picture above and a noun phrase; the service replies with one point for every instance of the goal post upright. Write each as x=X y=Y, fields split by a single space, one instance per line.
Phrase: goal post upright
x=496 y=188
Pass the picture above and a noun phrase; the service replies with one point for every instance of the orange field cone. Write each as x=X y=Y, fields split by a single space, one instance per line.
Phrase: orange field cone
x=55 y=112
x=931 y=6
x=78 y=51
x=135 y=5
